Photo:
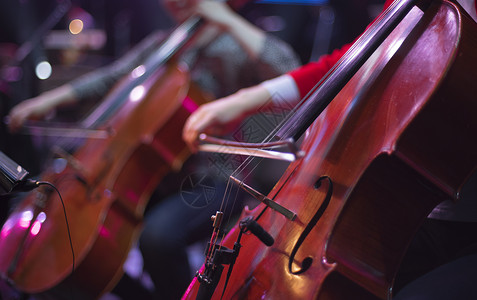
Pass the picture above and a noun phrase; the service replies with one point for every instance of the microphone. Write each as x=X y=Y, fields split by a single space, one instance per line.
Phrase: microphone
x=250 y=224
x=26 y=185
x=13 y=177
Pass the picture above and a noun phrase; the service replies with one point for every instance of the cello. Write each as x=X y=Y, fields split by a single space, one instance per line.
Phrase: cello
x=388 y=137
x=105 y=184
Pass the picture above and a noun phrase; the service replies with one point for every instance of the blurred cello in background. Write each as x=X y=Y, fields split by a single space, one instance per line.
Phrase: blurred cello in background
x=389 y=135
x=134 y=141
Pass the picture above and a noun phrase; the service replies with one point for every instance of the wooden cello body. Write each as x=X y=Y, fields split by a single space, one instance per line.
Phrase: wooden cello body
x=396 y=141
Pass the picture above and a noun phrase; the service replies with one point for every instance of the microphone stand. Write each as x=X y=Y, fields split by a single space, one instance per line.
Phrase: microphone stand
x=217 y=256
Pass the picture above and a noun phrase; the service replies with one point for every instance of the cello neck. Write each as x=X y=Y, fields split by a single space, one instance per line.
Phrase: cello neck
x=333 y=82
x=169 y=48
x=176 y=41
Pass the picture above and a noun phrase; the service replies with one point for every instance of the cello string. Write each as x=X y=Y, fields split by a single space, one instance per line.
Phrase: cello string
x=360 y=42
x=227 y=194
x=249 y=160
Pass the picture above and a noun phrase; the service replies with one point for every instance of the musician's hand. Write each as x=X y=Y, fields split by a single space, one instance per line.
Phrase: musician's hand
x=250 y=37
x=222 y=116
x=33 y=108
x=38 y=107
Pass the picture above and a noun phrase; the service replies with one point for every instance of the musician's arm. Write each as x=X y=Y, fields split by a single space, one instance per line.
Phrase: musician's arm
x=93 y=84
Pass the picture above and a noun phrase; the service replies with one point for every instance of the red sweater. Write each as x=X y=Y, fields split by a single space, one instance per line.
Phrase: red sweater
x=308 y=75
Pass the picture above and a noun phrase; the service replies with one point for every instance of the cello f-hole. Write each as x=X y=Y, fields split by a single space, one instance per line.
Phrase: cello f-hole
x=307 y=262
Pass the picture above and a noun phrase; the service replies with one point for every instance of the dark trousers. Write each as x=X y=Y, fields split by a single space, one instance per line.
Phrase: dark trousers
x=441 y=261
